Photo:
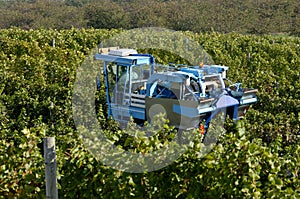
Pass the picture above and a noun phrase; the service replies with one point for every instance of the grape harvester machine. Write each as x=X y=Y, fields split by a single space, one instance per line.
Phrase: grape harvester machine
x=137 y=87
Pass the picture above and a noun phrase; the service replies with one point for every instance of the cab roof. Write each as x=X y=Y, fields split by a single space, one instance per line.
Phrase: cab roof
x=124 y=60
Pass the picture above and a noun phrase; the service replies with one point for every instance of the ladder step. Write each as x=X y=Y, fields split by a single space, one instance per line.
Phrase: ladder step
x=138 y=100
x=138 y=105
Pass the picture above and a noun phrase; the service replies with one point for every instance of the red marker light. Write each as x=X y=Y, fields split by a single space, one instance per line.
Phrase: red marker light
x=202 y=129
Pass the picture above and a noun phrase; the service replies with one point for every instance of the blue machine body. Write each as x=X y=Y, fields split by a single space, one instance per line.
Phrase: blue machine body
x=135 y=87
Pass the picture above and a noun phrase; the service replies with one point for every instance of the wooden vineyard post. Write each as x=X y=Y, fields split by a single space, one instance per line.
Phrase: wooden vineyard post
x=50 y=168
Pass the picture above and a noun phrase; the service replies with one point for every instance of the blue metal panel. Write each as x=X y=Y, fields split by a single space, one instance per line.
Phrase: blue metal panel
x=127 y=60
x=109 y=58
x=108 y=101
x=193 y=71
x=226 y=101
x=140 y=60
x=138 y=113
x=186 y=111
x=145 y=55
x=235 y=112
